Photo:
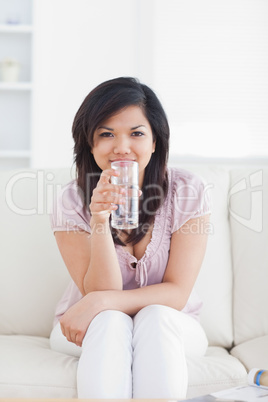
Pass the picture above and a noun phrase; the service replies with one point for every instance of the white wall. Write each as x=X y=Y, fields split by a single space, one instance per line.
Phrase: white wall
x=78 y=44
x=206 y=59
x=211 y=68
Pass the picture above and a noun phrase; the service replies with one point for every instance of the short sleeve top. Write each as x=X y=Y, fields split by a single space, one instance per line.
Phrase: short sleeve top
x=187 y=198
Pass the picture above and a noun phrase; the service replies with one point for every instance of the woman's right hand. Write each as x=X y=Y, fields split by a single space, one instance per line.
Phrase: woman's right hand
x=106 y=195
x=76 y=319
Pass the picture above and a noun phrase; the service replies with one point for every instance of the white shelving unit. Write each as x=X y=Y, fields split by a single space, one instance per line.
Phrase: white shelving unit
x=16 y=36
x=16 y=86
x=20 y=28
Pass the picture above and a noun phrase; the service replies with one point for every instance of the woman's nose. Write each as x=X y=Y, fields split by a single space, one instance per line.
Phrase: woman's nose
x=122 y=146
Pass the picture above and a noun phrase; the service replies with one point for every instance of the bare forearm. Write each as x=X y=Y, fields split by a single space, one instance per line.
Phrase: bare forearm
x=76 y=320
x=132 y=301
x=104 y=271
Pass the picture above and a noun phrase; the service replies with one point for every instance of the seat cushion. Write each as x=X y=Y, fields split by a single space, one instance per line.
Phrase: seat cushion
x=30 y=369
x=253 y=353
x=216 y=371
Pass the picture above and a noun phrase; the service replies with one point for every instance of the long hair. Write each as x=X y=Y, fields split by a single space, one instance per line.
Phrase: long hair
x=100 y=104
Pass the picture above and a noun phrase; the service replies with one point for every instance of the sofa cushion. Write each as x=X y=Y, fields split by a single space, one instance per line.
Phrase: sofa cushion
x=30 y=369
x=215 y=281
x=253 y=353
x=216 y=371
x=249 y=228
x=32 y=273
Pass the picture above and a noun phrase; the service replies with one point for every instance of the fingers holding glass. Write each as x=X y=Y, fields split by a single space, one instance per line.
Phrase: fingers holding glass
x=106 y=196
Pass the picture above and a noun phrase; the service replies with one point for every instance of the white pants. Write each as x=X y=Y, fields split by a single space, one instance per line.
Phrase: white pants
x=143 y=357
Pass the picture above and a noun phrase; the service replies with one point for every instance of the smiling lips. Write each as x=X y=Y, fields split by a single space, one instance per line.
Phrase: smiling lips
x=122 y=160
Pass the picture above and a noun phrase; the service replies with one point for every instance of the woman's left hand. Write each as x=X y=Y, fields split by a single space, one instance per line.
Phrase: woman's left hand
x=74 y=323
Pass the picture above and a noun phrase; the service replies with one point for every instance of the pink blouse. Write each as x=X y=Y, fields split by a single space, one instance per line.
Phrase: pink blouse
x=187 y=198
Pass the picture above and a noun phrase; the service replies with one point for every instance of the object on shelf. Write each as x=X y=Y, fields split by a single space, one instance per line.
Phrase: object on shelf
x=10 y=70
x=13 y=19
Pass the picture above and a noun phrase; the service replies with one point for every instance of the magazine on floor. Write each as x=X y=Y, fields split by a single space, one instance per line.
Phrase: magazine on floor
x=247 y=393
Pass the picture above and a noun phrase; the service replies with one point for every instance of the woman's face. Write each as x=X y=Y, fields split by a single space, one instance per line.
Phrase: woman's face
x=125 y=136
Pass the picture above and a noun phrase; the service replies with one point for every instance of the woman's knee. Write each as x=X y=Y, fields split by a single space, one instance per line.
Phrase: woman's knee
x=167 y=322
x=156 y=314
x=112 y=318
x=157 y=320
x=110 y=322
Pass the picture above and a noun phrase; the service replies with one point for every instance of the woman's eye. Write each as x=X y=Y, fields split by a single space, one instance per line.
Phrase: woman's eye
x=137 y=134
x=105 y=135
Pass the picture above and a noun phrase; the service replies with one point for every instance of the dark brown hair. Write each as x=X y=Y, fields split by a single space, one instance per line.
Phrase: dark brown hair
x=100 y=104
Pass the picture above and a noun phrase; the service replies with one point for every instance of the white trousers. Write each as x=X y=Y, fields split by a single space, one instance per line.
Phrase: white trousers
x=143 y=357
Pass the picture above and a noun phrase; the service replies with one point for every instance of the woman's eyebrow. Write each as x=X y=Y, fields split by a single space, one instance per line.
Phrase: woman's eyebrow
x=105 y=128
x=111 y=129
x=135 y=128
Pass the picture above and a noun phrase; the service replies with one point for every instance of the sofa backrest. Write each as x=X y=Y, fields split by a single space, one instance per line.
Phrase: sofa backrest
x=249 y=231
x=215 y=281
x=33 y=275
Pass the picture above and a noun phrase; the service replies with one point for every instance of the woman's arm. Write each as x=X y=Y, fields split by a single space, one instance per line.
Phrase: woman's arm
x=186 y=255
x=91 y=259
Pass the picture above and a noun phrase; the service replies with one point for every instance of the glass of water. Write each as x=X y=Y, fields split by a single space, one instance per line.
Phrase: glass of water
x=126 y=216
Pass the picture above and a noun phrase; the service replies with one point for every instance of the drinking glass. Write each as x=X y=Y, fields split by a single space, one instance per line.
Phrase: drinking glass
x=126 y=216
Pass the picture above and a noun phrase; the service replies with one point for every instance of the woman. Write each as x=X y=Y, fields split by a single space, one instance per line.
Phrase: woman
x=130 y=312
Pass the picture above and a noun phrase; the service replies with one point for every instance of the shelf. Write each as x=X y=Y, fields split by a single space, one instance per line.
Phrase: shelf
x=15 y=86
x=17 y=37
x=16 y=28
x=15 y=154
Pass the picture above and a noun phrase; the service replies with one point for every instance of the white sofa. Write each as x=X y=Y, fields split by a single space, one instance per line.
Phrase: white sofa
x=233 y=283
